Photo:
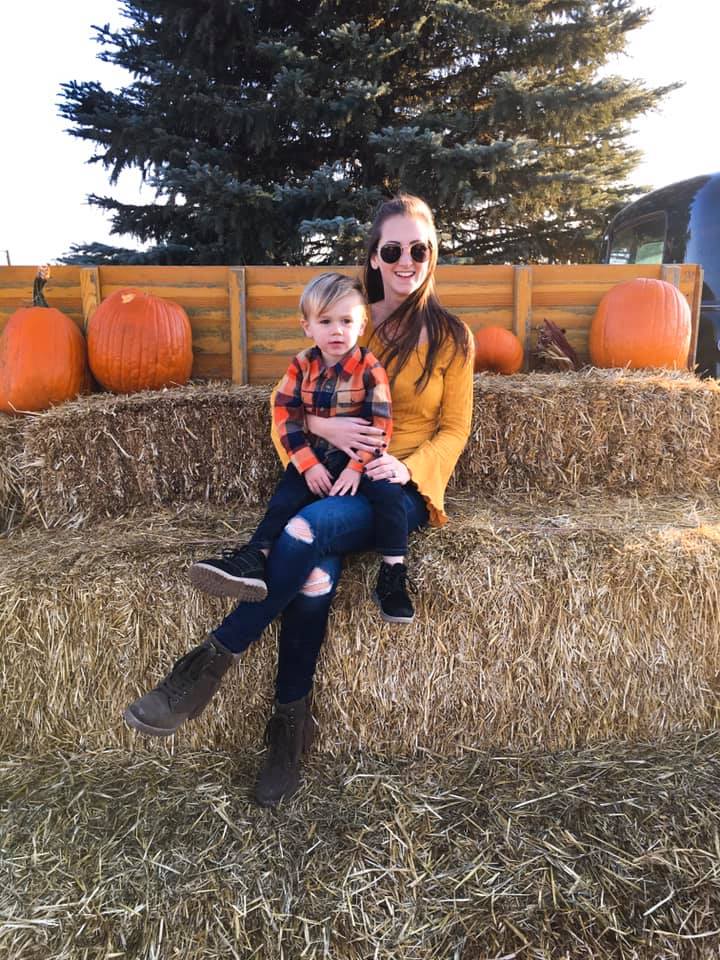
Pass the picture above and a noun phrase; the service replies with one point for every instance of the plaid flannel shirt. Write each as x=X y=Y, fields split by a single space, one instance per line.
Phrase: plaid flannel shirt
x=356 y=387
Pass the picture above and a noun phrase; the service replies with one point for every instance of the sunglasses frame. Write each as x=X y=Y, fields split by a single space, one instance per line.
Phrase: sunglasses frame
x=393 y=245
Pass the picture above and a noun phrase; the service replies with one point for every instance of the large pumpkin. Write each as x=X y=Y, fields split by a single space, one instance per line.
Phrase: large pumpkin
x=43 y=356
x=498 y=350
x=641 y=323
x=139 y=342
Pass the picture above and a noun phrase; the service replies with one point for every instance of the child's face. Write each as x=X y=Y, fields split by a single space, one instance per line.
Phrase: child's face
x=336 y=329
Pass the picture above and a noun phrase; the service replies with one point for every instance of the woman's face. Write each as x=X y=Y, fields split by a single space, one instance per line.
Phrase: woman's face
x=401 y=234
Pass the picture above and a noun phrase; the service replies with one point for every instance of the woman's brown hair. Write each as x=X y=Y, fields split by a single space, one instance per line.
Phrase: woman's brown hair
x=399 y=334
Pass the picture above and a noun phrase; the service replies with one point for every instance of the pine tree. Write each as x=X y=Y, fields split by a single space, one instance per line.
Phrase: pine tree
x=270 y=130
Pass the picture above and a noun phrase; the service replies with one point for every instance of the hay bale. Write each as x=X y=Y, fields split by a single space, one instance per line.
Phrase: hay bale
x=11 y=472
x=603 y=853
x=103 y=455
x=539 y=623
x=616 y=430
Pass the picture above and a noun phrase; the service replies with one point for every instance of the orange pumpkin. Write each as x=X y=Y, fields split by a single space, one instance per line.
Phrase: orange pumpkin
x=641 y=323
x=498 y=350
x=139 y=342
x=43 y=356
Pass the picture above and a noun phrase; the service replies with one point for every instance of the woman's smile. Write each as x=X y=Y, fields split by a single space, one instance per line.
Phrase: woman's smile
x=404 y=276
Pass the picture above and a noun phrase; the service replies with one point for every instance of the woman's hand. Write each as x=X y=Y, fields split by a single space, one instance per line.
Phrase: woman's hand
x=387 y=467
x=346 y=433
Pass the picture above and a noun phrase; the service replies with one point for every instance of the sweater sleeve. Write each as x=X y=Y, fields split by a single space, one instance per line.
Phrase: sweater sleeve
x=432 y=463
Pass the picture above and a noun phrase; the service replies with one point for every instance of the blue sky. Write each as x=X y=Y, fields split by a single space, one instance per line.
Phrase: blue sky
x=44 y=176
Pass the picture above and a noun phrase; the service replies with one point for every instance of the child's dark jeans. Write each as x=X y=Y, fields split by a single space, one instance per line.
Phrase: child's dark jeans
x=292 y=494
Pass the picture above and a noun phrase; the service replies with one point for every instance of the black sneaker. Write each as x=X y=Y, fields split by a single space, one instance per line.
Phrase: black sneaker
x=391 y=594
x=238 y=573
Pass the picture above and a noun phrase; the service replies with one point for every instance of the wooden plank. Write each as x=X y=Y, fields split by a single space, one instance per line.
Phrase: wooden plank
x=211 y=367
x=301 y=275
x=268 y=368
x=90 y=292
x=522 y=308
x=138 y=276
x=608 y=273
x=478 y=316
x=581 y=295
x=673 y=273
x=291 y=276
x=695 y=306
x=569 y=318
x=189 y=297
x=670 y=273
x=211 y=342
x=237 y=294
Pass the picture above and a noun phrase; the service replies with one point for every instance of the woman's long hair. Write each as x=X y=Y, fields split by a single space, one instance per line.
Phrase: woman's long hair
x=399 y=334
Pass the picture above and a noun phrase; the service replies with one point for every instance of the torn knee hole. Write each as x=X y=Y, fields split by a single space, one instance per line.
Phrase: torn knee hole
x=317 y=584
x=300 y=529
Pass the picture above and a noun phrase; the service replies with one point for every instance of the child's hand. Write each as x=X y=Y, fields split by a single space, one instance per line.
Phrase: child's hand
x=318 y=479
x=347 y=482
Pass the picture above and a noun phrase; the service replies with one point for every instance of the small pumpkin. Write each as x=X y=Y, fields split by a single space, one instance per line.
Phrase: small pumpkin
x=43 y=356
x=641 y=323
x=498 y=350
x=137 y=341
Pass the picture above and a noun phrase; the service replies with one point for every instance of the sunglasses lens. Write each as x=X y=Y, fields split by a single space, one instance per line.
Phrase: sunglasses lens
x=390 y=252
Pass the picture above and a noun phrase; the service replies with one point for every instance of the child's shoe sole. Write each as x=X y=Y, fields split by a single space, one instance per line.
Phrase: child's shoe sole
x=387 y=617
x=217 y=583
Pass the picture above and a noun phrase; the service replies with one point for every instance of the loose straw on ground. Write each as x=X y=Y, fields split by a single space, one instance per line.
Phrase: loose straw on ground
x=609 y=853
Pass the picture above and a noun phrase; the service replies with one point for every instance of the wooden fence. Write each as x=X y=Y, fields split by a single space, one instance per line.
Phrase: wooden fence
x=245 y=321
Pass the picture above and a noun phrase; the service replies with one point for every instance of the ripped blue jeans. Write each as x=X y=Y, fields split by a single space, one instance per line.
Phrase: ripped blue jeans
x=302 y=574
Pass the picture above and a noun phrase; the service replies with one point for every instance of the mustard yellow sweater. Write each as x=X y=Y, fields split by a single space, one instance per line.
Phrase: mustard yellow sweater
x=430 y=428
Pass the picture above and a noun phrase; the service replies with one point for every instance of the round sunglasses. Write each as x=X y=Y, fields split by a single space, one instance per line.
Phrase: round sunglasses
x=391 y=252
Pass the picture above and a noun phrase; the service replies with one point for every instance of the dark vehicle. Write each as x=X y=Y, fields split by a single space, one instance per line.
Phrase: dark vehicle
x=677 y=224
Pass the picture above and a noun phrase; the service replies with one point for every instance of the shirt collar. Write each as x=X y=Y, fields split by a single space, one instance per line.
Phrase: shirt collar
x=342 y=370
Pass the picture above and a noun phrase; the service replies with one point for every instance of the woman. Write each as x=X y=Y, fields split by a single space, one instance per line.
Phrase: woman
x=428 y=355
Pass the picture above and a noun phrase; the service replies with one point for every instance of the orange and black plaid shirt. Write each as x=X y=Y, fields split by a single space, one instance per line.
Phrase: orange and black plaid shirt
x=356 y=387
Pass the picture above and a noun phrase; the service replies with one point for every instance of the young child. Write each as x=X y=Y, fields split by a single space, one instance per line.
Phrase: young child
x=333 y=378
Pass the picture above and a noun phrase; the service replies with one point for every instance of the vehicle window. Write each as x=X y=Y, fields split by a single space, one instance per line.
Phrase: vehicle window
x=639 y=242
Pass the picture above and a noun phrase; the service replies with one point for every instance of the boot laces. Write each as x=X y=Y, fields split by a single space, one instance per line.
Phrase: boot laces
x=245 y=557
x=394 y=576
x=185 y=672
x=229 y=553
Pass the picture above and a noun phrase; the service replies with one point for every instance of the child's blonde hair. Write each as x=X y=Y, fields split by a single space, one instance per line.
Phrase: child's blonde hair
x=325 y=290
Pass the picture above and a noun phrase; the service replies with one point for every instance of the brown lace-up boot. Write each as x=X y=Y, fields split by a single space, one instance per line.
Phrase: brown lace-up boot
x=288 y=735
x=184 y=693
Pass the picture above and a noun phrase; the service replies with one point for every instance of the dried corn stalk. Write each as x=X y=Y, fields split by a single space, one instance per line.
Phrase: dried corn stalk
x=553 y=348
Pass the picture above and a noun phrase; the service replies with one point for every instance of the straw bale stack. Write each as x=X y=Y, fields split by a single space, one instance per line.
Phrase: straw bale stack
x=102 y=456
x=11 y=473
x=539 y=623
x=559 y=609
x=616 y=430
x=608 y=852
